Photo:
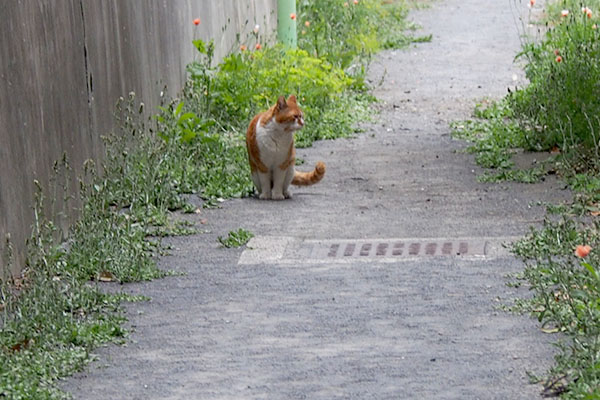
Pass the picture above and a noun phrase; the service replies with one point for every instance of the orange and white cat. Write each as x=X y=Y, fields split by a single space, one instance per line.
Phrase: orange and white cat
x=271 y=152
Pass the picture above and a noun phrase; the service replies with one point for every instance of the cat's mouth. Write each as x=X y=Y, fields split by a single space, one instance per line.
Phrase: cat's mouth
x=294 y=127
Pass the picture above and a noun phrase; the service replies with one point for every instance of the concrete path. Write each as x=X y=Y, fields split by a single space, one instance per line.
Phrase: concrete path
x=381 y=282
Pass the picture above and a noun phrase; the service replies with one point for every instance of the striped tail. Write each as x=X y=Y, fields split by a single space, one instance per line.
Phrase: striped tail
x=309 y=178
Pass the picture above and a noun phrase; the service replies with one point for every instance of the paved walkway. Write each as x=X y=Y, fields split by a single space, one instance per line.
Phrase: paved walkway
x=354 y=289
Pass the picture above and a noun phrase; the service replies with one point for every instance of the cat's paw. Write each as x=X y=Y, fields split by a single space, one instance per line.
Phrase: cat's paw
x=287 y=195
x=265 y=196
x=277 y=196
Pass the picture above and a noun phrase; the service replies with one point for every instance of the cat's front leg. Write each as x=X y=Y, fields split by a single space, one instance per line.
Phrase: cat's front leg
x=289 y=176
x=279 y=189
x=265 y=186
x=256 y=180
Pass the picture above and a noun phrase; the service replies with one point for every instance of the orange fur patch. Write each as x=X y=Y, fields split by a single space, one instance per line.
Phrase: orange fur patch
x=309 y=178
x=252 y=147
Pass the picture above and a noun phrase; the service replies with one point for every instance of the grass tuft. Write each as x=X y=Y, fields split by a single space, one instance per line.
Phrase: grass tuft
x=236 y=238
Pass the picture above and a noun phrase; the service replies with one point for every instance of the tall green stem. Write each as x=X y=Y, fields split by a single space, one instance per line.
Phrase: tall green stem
x=286 y=22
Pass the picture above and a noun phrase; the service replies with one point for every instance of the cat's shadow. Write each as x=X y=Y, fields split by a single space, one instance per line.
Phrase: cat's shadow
x=295 y=196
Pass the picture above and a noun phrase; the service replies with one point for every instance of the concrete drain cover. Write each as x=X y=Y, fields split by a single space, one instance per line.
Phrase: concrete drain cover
x=287 y=250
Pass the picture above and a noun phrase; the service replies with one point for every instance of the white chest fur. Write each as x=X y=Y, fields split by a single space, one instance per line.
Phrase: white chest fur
x=273 y=143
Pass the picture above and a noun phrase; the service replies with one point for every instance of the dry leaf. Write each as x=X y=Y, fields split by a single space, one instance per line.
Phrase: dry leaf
x=106 y=276
x=198 y=211
x=549 y=330
x=594 y=213
x=18 y=282
x=555 y=150
x=203 y=221
x=22 y=345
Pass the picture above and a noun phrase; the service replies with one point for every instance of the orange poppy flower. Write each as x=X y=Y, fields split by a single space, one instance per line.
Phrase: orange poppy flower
x=582 y=251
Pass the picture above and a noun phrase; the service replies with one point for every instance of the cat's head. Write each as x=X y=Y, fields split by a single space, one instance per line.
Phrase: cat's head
x=288 y=114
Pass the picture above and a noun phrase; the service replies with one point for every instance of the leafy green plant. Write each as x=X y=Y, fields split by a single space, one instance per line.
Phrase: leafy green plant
x=560 y=105
x=565 y=283
x=210 y=160
x=529 y=175
x=53 y=315
x=140 y=174
x=348 y=32
x=247 y=83
x=496 y=137
x=201 y=72
x=184 y=127
x=558 y=110
x=236 y=238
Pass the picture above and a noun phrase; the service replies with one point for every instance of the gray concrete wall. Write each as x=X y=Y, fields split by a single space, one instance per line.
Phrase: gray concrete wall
x=64 y=64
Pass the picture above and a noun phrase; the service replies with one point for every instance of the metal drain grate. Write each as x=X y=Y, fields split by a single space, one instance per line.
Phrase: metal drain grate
x=289 y=250
x=396 y=248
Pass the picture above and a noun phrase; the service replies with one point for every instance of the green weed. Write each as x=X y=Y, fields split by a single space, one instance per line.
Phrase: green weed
x=496 y=136
x=54 y=315
x=347 y=32
x=560 y=105
x=529 y=175
x=236 y=238
x=247 y=83
x=566 y=299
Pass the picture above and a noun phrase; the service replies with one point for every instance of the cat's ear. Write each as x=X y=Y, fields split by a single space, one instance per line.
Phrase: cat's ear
x=292 y=99
x=281 y=104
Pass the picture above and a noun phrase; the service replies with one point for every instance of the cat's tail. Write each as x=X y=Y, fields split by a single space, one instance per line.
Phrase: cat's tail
x=309 y=178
